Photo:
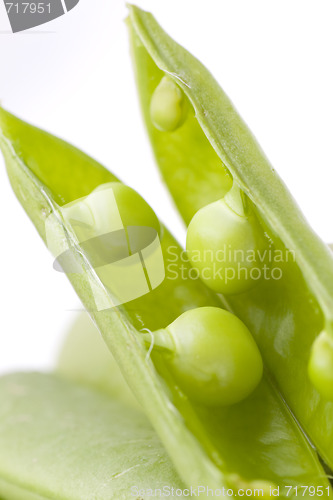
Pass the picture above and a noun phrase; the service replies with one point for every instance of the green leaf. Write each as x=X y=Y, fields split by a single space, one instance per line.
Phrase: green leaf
x=62 y=441
x=257 y=439
x=284 y=315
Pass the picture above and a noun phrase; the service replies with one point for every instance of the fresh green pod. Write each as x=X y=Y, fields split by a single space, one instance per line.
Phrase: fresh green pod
x=80 y=445
x=204 y=443
x=168 y=106
x=226 y=245
x=211 y=355
x=287 y=312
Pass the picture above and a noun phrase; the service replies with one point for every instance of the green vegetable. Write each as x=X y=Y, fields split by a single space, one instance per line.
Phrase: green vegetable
x=168 y=106
x=321 y=365
x=62 y=441
x=212 y=356
x=286 y=312
x=205 y=444
x=225 y=244
x=106 y=209
x=119 y=233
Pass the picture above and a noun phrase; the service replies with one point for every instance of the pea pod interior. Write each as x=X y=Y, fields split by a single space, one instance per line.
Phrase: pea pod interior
x=257 y=439
x=284 y=315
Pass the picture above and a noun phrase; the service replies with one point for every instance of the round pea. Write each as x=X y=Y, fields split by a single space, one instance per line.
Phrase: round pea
x=113 y=224
x=133 y=209
x=320 y=368
x=168 y=106
x=110 y=207
x=212 y=356
x=226 y=248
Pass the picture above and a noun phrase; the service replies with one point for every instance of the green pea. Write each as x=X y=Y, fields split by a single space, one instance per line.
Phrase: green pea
x=320 y=368
x=168 y=106
x=114 y=225
x=226 y=245
x=211 y=355
x=110 y=207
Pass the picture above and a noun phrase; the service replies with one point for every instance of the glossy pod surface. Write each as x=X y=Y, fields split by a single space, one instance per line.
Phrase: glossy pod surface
x=286 y=312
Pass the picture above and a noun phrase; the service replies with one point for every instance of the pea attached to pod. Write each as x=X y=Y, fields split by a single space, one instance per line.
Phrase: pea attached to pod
x=109 y=207
x=225 y=243
x=120 y=234
x=320 y=367
x=212 y=356
x=168 y=106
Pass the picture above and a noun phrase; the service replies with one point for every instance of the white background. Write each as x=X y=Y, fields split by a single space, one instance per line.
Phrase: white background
x=73 y=77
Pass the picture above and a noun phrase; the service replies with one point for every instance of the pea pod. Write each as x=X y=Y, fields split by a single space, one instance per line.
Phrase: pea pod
x=254 y=440
x=80 y=445
x=285 y=315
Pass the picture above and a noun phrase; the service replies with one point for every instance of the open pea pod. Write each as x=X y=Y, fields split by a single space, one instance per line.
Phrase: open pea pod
x=198 y=160
x=233 y=446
